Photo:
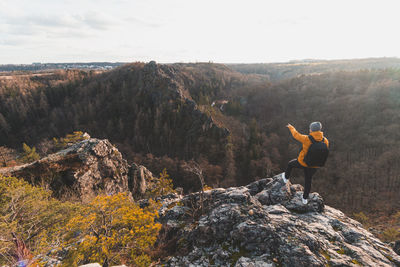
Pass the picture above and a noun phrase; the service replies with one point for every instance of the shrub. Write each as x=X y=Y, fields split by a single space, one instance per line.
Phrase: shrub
x=161 y=186
x=362 y=218
x=69 y=139
x=29 y=154
x=111 y=230
x=29 y=214
x=390 y=234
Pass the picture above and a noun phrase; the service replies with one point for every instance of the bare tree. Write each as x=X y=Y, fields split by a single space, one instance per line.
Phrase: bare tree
x=196 y=169
x=22 y=252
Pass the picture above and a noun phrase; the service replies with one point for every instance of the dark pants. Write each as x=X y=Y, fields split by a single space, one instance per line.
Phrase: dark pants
x=308 y=173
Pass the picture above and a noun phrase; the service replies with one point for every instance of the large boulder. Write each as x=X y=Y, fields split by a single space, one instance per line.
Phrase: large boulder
x=139 y=179
x=266 y=224
x=84 y=170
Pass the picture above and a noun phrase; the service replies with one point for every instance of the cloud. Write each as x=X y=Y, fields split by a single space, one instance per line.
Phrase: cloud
x=31 y=24
x=151 y=24
x=20 y=30
x=96 y=20
x=13 y=41
x=51 y=29
x=69 y=33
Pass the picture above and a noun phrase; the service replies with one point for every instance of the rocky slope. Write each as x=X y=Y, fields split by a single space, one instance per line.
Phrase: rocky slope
x=266 y=224
x=83 y=170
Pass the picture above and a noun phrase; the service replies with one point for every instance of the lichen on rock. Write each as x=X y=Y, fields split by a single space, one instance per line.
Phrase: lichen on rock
x=266 y=224
x=84 y=170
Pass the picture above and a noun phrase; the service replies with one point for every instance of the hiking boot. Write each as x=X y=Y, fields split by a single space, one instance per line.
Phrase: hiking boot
x=304 y=200
x=284 y=178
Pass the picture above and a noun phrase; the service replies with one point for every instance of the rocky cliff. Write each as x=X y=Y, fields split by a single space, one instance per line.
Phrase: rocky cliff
x=84 y=170
x=266 y=224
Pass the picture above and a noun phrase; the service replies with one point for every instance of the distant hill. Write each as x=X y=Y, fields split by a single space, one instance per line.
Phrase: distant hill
x=280 y=71
x=62 y=66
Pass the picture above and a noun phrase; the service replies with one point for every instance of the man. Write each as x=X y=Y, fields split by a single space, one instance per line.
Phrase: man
x=320 y=145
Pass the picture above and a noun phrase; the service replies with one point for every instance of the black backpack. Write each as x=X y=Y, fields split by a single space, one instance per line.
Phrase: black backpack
x=317 y=153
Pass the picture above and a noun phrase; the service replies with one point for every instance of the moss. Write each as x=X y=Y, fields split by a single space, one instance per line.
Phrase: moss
x=325 y=254
x=388 y=257
x=356 y=262
x=171 y=205
x=225 y=247
x=236 y=255
x=341 y=251
x=211 y=261
x=381 y=250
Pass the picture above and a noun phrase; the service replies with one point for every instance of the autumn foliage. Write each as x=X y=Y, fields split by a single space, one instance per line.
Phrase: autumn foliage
x=29 y=214
x=109 y=229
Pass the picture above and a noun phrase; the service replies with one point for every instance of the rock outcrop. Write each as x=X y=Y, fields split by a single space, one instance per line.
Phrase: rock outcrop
x=266 y=224
x=139 y=179
x=84 y=170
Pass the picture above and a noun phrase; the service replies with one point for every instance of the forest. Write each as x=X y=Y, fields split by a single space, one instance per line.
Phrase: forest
x=286 y=70
x=232 y=123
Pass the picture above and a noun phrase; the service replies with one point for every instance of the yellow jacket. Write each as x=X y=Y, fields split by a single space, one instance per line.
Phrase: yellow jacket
x=302 y=138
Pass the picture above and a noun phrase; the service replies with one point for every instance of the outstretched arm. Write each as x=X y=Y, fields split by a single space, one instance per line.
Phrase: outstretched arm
x=296 y=135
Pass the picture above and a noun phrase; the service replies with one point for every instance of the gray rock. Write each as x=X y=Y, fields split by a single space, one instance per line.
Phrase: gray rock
x=315 y=203
x=139 y=178
x=99 y=265
x=247 y=262
x=84 y=170
x=258 y=186
x=396 y=247
x=266 y=224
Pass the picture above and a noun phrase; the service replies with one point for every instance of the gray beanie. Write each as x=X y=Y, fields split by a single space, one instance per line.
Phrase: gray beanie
x=315 y=126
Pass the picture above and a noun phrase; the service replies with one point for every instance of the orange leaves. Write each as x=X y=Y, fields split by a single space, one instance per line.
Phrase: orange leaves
x=161 y=186
x=111 y=228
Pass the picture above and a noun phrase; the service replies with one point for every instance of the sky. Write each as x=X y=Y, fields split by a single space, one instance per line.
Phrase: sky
x=223 y=31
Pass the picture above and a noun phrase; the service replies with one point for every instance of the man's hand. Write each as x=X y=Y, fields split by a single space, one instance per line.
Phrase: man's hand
x=289 y=125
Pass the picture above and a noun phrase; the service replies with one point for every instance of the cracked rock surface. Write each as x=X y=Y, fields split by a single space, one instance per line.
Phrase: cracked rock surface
x=266 y=224
x=84 y=170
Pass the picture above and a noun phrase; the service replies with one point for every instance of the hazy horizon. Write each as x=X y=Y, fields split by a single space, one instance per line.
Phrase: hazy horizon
x=184 y=31
x=194 y=62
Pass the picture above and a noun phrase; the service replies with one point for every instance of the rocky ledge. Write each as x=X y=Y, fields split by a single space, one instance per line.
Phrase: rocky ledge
x=265 y=224
x=84 y=170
